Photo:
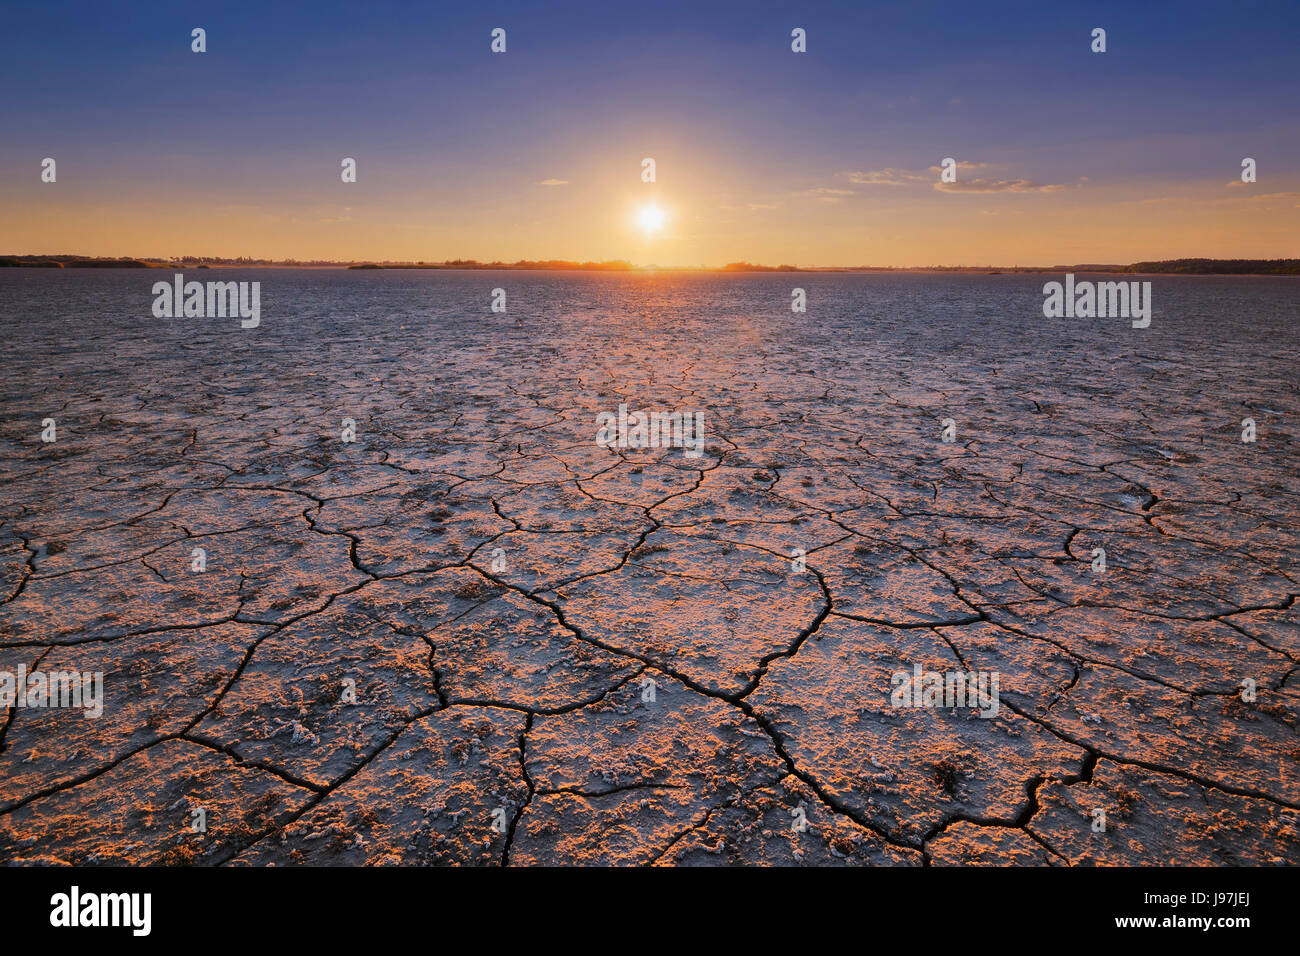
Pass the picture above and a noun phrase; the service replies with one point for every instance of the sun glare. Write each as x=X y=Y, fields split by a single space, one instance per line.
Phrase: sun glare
x=650 y=219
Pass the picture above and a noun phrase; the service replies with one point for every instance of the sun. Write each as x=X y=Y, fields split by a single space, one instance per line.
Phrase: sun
x=650 y=219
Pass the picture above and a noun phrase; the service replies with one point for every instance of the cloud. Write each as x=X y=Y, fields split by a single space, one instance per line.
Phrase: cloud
x=824 y=194
x=554 y=182
x=963 y=164
x=998 y=186
x=1236 y=199
x=892 y=176
x=886 y=177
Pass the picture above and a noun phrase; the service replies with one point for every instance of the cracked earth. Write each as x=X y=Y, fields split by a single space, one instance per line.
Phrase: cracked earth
x=501 y=591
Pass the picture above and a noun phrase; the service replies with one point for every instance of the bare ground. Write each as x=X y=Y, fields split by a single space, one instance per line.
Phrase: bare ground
x=500 y=591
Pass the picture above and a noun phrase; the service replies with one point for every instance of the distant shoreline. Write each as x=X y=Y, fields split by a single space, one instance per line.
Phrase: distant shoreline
x=1216 y=267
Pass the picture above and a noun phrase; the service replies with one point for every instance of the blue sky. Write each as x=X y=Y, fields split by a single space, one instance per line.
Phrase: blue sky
x=452 y=141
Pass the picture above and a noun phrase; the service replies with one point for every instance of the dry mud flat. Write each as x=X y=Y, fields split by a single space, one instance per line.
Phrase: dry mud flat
x=506 y=597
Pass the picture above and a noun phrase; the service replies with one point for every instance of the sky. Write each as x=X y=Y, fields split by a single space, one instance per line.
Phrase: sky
x=828 y=157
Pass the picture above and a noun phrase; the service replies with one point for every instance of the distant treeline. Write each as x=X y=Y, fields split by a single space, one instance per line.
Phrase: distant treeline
x=1275 y=267
x=72 y=262
x=1221 y=267
x=617 y=265
x=1171 y=266
x=750 y=267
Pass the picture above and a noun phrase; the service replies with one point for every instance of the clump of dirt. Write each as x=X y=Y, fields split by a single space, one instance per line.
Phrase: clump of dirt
x=945 y=774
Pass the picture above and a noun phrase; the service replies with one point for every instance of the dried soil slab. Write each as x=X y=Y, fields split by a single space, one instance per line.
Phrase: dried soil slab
x=731 y=492
x=514 y=651
x=1196 y=656
x=1033 y=673
x=808 y=533
x=905 y=769
x=1278 y=629
x=763 y=827
x=1163 y=820
x=710 y=610
x=642 y=482
x=1249 y=747
x=969 y=844
x=885 y=583
x=141 y=812
x=287 y=707
x=566 y=506
x=541 y=561
x=153 y=685
x=430 y=797
x=619 y=780
x=112 y=601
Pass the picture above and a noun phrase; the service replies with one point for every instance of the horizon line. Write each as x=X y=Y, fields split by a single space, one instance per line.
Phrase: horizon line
x=1282 y=266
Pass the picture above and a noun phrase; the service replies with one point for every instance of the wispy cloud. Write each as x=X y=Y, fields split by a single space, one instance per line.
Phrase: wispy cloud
x=893 y=176
x=998 y=186
x=886 y=177
x=963 y=165
x=824 y=194
x=554 y=182
x=1206 y=200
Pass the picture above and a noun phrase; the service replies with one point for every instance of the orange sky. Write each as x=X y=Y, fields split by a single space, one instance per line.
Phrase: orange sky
x=856 y=218
x=825 y=157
